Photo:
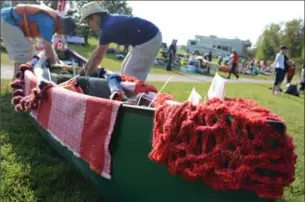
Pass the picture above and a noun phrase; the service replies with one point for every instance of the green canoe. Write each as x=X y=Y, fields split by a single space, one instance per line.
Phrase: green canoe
x=135 y=178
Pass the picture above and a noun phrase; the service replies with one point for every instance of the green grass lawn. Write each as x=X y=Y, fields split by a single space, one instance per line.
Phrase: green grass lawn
x=5 y=58
x=33 y=171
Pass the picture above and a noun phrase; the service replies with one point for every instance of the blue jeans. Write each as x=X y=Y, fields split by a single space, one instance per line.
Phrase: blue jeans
x=279 y=76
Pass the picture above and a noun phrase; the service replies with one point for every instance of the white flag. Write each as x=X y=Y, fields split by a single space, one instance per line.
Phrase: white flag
x=217 y=88
x=194 y=97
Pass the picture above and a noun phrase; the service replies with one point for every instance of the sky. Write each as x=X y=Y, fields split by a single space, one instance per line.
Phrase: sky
x=228 y=19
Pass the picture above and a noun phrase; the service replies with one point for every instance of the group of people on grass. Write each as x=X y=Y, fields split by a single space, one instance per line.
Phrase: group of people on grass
x=282 y=67
x=25 y=21
x=285 y=68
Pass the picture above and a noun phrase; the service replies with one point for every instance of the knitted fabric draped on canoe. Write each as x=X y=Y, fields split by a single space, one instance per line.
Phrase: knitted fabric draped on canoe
x=227 y=144
x=82 y=123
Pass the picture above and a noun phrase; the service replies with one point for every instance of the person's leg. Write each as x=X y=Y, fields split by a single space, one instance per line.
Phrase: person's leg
x=232 y=70
x=142 y=58
x=276 y=81
x=302 y=88
x=282 y=77
x=125 y=61
x=229 y=76
x=288 y=79
x=169 y=64
x=19 y=48
x=236 y=73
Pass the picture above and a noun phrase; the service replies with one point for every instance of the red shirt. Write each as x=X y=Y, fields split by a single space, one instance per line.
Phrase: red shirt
x=290 y=71
x=235 y=58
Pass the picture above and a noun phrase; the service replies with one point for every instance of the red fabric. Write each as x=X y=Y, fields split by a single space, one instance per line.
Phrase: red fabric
x=128 y=78
x=290 y=71
x=224 y=69
x=44 y=109
x=98 y=125
x=142 y=87
x=161 y=99
x=200 y=142
x=72 y=86
x=61 y=5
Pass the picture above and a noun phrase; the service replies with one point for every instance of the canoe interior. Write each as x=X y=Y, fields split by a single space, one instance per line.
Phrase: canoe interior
x=134 y=177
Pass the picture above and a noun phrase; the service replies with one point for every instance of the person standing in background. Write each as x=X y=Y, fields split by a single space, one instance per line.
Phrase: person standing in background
x=171 y=54
x=210 y=56
x=219 y=59
x=234 y=64
x=302 y=82
x=290 y=72
x=279 y=64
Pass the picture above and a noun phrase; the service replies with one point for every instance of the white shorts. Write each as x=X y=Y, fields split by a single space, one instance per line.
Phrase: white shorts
x=19 y=48
x=141 y=58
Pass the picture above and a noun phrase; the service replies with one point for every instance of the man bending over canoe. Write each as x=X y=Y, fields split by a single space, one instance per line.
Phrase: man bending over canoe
x=25 y=21
x=143 y=35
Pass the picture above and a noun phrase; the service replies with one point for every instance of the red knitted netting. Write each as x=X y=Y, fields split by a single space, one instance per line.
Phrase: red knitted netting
x=141 y=86
x=226 y=143
x=161 y=99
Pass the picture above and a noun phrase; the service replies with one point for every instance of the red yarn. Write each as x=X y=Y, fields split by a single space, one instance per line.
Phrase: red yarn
x=72 y=85
x=141 y=86
x=200 y=142
x=128 y=78
x=161 y=99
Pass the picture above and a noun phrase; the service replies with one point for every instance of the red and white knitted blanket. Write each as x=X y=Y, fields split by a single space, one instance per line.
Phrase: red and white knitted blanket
x=84 y=124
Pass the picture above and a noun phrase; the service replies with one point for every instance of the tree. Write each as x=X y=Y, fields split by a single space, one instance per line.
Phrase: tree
x=114 y=6
x=51 y=4
x=293 y=37
x=14 y=3
x=269 y=42
x=251 y=52
x=183 y=48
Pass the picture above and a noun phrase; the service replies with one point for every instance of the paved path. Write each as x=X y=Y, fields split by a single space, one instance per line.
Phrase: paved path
x=7 y=73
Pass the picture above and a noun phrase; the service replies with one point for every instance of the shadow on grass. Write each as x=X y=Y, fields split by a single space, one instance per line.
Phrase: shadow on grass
x=31 y=169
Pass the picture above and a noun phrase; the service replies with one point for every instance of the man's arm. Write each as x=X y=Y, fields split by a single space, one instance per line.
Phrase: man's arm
x=95 y=59
x=275 y=60
x=46 y=27
x=49 y=51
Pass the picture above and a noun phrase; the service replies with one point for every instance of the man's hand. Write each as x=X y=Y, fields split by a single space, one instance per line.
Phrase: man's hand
x=82 y=72
x=95 y=59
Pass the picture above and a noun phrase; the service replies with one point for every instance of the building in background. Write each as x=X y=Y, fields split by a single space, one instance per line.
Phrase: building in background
x=218 y=46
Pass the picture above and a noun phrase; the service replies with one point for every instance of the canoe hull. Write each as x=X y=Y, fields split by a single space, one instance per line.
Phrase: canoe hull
x=134 y=177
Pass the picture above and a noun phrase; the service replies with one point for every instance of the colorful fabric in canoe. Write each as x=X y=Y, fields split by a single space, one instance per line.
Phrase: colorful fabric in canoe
x=82 y=123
